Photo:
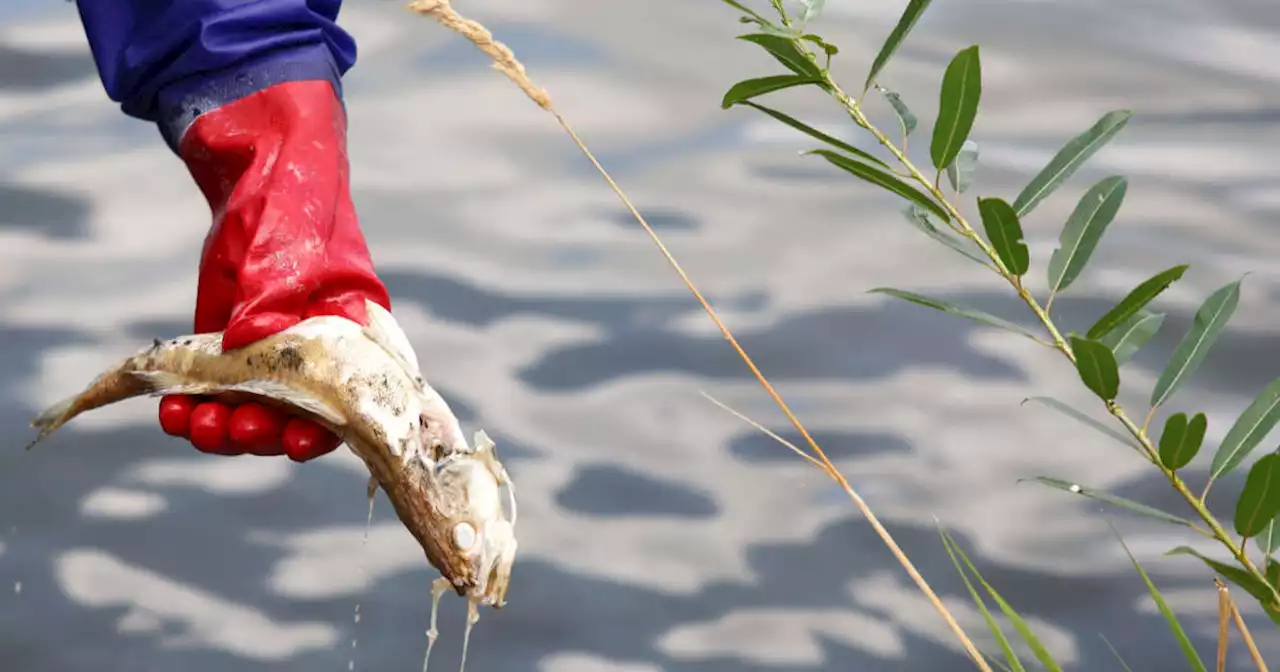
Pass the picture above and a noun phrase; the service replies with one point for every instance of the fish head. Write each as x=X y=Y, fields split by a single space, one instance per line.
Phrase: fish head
x=482 y=535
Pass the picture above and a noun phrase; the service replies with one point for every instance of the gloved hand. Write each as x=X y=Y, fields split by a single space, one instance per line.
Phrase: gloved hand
x=285 y=245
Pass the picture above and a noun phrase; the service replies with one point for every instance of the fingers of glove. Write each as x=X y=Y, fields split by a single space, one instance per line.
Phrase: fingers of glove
x=209 y=433
x=217 y=428
x=256 y=429
x=203 y=423
x=305 y=440
x=175 y=414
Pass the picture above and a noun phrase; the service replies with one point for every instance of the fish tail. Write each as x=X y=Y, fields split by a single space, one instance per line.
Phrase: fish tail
x=115 y=385
x=121 y=383
x=54 y=413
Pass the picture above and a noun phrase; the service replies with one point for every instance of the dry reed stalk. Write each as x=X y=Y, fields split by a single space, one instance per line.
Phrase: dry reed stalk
x=1224 y=623
x=506 y=62
x=1225 y=594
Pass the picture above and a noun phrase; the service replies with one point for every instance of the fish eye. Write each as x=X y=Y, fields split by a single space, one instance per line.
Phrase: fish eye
x=464 y=536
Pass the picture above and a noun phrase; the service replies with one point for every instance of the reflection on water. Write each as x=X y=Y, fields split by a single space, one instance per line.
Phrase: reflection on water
x=658 y=533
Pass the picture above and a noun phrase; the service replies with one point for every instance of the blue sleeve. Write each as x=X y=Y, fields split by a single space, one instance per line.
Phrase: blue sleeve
x=168 y=61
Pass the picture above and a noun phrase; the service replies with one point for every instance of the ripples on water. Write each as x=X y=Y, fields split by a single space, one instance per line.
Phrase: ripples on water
x=659 y=533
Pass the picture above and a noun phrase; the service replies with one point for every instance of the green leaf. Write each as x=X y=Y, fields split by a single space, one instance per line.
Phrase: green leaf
x=905 y=23
x=787 y=54
x=1068 y=159
x=1130 y=336
x=1249 y=430
x=880 y=178
x=1269 y=606
x=1181 y=439
x=814 y=133
x=1251 y=584
x=1175 y=627
x=1099 y=495
x=785 y=32
x=957 y=107
x=1211 y=318
x=934 y=229
x=1259 y=501
x=960 y=172
x=1083 y=230
x=812 y=10
x=1097 y=367
x=750 y=88
x=1269 y=539
x=906 y=119
x=954 y=309
x=1005 y=233
x=830 y=49
x=1135 y=301
x=1083 y=419
x=992 y=625
x=1019 y=624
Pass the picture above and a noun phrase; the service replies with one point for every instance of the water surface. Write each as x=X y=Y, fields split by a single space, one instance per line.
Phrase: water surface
x=658 y=532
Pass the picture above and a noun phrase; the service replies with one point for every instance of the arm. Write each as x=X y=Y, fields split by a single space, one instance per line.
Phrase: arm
x=166 y=61
x=248 y=94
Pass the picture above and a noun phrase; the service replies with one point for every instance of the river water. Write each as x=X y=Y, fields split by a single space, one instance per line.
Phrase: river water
x=657 y=531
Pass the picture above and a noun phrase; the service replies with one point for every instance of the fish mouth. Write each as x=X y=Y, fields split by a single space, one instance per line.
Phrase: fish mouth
x=503 y=548
x=496 y=595
x=481 y=485
x=455 y=570
x=495 y=564
x=416 y=496
x=484 y=577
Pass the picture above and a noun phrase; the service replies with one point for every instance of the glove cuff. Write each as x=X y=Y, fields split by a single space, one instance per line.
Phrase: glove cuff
x=183 y=101
x=285 y=242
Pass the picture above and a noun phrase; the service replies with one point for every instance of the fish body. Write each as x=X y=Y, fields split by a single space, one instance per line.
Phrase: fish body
x=363 y=384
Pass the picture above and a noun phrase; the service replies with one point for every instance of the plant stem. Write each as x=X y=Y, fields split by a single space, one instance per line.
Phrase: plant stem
x=1246 y=636
x=1224 y=623
x=507 y=63
x=828 y=467
x=961 y=225
x=1239 y=552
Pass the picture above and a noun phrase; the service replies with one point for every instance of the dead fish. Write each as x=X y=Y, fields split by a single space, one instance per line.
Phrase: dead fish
x=363 y=384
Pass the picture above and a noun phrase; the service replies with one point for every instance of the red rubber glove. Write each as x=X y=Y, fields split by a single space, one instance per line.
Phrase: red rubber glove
x=285 y=245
